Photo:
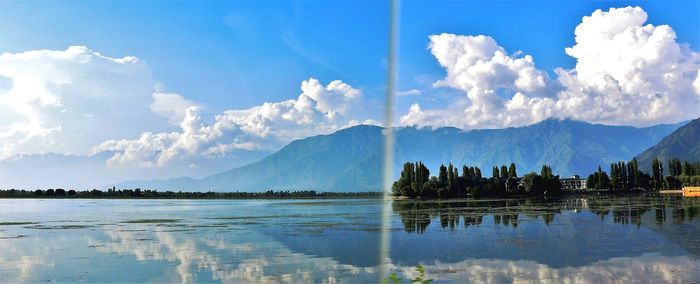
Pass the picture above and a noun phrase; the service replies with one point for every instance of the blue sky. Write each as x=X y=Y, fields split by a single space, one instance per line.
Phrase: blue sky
x=229 y=55
x=541 y=28
x=236 y=55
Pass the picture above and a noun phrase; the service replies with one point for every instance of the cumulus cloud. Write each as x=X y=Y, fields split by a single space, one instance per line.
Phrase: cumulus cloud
x=477 y=62
x=318 y=109
x=645 y=268
x=626 y=73
x=78 y=101
x=171 y=106
x=61 y=100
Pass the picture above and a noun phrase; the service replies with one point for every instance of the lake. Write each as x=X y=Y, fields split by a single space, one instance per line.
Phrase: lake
x=641 y=238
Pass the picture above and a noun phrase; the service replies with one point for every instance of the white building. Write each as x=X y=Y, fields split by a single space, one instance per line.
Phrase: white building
x=573 y=183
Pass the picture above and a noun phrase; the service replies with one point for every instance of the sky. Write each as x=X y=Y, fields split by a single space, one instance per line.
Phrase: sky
x=159 y=85
x=543 y=30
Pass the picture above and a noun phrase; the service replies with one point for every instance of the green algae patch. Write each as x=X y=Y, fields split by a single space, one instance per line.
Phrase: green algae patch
x=13 y=237
x=60 y=227
x=17 y=223
x=151 y=221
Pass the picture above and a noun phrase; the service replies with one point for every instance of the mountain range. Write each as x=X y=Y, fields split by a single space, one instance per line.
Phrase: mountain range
x=351 y=159
x=683 y=144
x=52 y=170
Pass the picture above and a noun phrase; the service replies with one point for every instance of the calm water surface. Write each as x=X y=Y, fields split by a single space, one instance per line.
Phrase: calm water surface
x=649 y=238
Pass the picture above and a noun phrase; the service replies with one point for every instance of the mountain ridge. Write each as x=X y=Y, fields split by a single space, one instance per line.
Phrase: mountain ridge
x=683 y=144
x=351 y=159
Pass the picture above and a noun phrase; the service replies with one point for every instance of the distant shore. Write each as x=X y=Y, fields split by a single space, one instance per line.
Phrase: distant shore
x=148 y=194
x=153 y=194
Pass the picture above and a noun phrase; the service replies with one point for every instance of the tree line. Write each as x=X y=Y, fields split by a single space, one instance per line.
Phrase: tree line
x=683 y=174
x=415 y=181
x=625 y=176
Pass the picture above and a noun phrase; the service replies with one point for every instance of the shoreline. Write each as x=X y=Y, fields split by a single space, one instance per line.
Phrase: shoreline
x=18 y=194
x=190 y=198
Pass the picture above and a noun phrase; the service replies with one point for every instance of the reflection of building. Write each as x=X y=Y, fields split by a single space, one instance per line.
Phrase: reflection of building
x=575 y=205
x=573 y=183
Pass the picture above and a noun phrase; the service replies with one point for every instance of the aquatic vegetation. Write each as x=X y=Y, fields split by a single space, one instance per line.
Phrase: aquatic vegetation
x=16 y=223
x=421 y=278
x=60 y=227
x=148 y=221
x=12 y=237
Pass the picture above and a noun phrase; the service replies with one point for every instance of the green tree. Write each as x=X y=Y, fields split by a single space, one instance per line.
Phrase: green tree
x=673 y=182
x=598 y=180
x=657 y=170
x=402 y=187
x=546 y=172
x=614 y=176
x=442 y=176
x=532 y=182
x=675 y=167
x=466 y=173
x=623 y=176
x=687 y=169
x=603 y=179
x=504 y=171
x=511 y=171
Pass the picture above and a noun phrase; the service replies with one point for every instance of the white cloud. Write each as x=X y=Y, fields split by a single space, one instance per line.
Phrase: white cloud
x=63 y=100
x=171 y=106
x=644 y=268
x=317 y=110
x=626 y=73
x=77 y=101
x=410 y=92
x=477 y=62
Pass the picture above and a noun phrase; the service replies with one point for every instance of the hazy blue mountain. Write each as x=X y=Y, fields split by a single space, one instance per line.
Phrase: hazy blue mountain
x=568 y=146
x=344 y=161
x=683 y=144
x=351 y=159
x=53 y=170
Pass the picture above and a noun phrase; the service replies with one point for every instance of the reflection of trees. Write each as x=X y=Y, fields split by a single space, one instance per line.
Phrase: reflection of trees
x=548 y=218
x=417 y=215
x=628 y=216
x=472 y=220
x=678 y=215
x=629 y=209
x=660 y=215
x=414 y=217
